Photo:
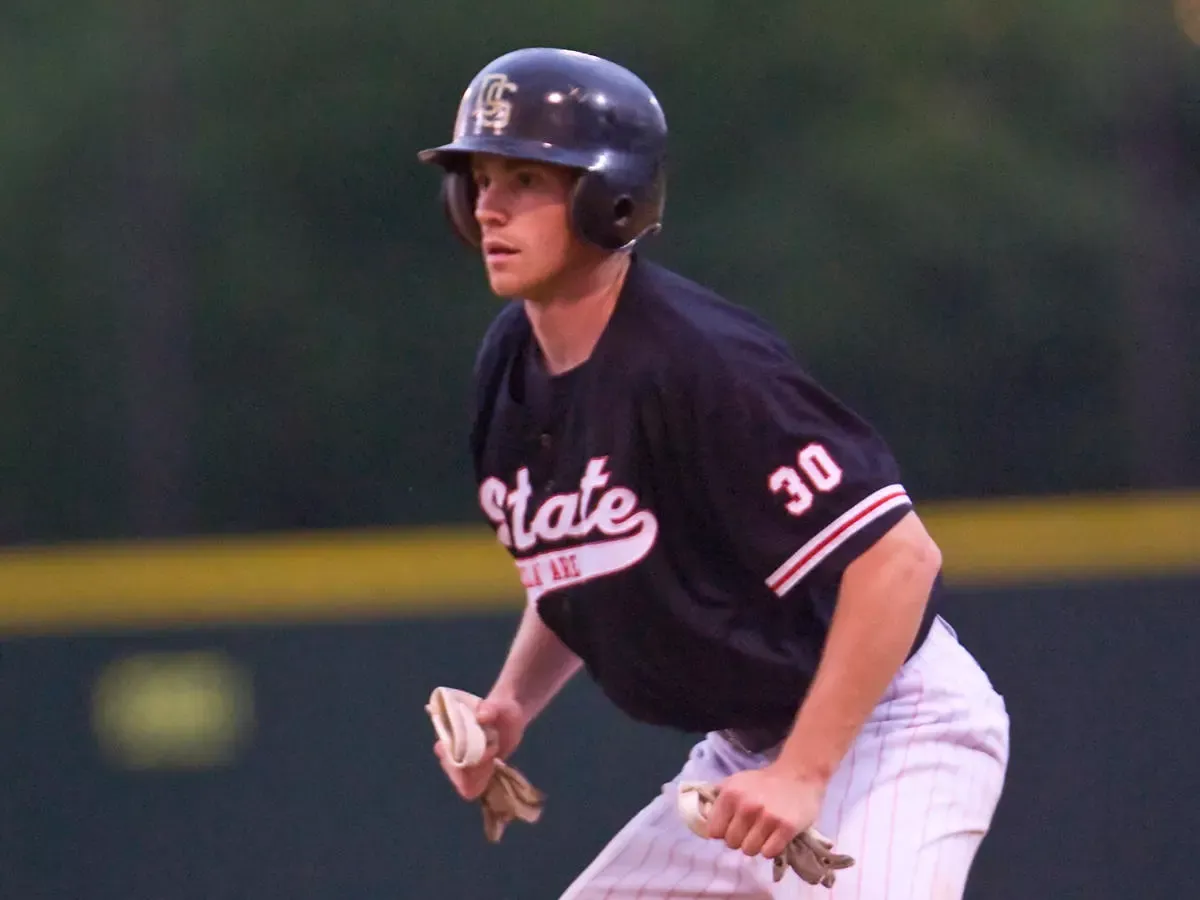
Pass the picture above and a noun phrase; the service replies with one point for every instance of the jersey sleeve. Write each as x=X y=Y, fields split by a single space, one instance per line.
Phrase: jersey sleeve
x=795 y=484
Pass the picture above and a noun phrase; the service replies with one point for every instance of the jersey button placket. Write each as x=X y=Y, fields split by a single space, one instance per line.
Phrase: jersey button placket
x=546 y=442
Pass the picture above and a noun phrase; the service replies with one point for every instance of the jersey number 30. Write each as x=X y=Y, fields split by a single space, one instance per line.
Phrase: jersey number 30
x=815 y=467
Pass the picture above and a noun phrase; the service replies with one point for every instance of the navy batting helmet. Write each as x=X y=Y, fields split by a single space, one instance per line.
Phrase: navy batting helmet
x=575 y=110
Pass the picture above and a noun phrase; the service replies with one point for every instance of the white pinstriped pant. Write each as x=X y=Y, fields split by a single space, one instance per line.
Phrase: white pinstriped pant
x=911 y=802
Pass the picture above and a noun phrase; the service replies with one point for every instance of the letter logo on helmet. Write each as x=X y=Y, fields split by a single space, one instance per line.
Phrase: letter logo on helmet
x=492 y=110
x=569 y=109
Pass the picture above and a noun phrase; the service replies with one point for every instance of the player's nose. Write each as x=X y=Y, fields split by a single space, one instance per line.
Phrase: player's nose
x=490 y=207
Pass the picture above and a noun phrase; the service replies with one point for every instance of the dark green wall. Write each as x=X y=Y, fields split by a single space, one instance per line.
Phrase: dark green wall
x=229 y=302
x=336 y=795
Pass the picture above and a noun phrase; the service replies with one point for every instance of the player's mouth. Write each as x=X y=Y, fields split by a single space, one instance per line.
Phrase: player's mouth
x=496 y=250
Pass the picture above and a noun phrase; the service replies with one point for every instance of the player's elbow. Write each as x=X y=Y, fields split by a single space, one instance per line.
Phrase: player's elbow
x=921 y=557
x=927 y=557
x=910 y=552
x=919 y=543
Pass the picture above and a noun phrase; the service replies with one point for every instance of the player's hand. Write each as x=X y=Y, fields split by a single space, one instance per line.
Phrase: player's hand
x=760 y=811
x=504 y=722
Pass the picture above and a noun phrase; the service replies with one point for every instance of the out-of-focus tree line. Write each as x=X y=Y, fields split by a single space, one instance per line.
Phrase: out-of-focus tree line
x=229 y=301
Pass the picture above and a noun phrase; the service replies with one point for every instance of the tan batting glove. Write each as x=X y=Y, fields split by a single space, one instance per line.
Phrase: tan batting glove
x=809 y=854
x=509 y=795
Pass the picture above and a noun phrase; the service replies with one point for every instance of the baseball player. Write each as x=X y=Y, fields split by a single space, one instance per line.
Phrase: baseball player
x=722 y=545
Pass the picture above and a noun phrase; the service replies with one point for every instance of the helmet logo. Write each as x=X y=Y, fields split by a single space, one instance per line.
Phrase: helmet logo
x=492 y=109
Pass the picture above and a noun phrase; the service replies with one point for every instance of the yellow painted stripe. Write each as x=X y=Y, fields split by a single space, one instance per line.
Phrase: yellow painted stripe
x=1013 y=541
x=461 y=569
x=265 y=578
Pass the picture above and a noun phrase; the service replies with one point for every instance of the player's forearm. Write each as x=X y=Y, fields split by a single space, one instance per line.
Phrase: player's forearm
x=880 y=606
x=537 y=667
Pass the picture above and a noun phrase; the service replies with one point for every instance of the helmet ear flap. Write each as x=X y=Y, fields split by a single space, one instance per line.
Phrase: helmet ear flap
x=608 y=217
x=594 y=213
x=458 y=202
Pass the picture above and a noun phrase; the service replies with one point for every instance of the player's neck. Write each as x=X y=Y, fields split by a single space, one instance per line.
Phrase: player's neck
x=567 y=322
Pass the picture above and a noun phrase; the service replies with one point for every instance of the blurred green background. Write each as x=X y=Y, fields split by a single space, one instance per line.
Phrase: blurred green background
x=229 y=302
x=230 y=306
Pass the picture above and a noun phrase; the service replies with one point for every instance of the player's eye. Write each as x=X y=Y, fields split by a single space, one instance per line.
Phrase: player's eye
x=526 y=178
x=481 y=180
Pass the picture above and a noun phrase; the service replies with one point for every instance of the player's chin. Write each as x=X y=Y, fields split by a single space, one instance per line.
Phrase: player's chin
x=506 y=283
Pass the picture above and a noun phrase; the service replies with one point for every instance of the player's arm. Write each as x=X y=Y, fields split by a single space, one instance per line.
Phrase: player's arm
x=879 y=611
x=810 y=502
x=537 y=668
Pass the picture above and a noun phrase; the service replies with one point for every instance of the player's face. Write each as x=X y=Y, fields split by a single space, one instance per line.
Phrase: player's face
x=523 y=214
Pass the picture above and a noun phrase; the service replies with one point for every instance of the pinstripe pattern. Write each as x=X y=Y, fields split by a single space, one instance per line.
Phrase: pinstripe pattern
x=911 y=802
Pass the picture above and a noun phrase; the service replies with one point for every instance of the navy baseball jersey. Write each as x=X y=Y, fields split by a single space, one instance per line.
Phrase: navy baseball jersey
x=682 y=505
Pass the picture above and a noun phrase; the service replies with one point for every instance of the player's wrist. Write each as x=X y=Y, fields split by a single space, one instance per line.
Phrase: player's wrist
x=814 y=776
x=507 y=699
x=801 y=762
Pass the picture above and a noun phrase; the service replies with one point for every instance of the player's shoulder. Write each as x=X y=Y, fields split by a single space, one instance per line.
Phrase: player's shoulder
x=700 y=335
x=505 y=331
